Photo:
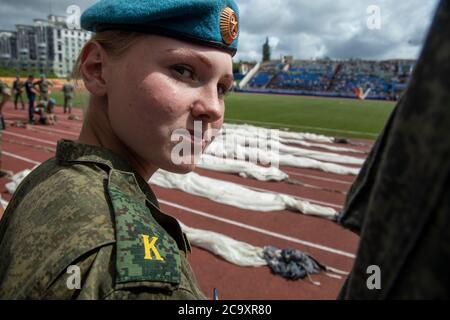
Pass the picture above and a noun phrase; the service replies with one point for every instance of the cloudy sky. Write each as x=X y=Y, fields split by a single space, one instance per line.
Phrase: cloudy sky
x=368 y=29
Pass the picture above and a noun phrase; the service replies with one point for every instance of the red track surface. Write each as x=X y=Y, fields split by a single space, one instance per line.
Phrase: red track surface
x=326 y=241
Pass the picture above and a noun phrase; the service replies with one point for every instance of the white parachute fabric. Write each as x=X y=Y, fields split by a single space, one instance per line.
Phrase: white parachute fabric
x=246 y=255
x=232 y=151
x=236 y=195
x=16 y=180
x=243 y=168
x=282 y=133
x=3 y=203
x=234 y=251
x=231 y=140
x=318 y=155
x=320 y=146
x=286 y=137
x=240 y=253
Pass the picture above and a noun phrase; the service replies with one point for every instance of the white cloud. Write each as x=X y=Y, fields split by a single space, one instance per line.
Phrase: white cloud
x=302 y=28
x=334 y=28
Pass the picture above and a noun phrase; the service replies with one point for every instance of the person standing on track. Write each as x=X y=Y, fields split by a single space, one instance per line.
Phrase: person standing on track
x=43 y=86
x=31 y=95
x=17 y=91
x=68 y=90
x=6 y=94
x=85 y=224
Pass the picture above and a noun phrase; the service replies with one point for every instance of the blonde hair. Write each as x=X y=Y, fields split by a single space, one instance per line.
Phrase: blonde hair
x=114 y=42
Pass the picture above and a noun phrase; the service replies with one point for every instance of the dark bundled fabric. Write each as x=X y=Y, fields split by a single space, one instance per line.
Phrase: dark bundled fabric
x=341 y=140
x=291 y=263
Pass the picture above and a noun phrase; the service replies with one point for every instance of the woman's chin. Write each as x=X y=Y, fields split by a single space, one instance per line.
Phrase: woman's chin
x=182 y=168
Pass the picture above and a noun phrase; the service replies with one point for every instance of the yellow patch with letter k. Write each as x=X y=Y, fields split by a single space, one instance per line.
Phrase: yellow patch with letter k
x=149 y=247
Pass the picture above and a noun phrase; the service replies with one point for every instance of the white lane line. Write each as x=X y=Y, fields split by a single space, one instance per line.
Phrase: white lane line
x=303 y=127
x=317 y=177
x=62 y=121
x=12 y=155
x=71 y=133
x=297 y=197
x=28 y=137
x=288 y=172
x=239 y=224
x=259 y=230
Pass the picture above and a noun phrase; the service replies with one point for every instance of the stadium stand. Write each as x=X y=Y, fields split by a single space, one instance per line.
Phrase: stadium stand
x=385 y=79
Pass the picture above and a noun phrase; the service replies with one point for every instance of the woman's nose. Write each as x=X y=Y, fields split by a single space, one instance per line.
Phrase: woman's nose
x=208 y=107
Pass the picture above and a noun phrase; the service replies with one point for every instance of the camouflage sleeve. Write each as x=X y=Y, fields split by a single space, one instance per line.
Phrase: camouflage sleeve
x=350 y=217
x=187 y=290
x=69 y=284
x=96 y=281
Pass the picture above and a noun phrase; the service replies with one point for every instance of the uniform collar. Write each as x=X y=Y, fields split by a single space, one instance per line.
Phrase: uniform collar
x=71 y=151
x=74 y=152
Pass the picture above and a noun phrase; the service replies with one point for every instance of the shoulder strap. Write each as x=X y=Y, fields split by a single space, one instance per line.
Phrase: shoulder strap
x=145 y=251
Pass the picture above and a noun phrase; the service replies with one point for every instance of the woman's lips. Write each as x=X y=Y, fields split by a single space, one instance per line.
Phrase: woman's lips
x=197 y=140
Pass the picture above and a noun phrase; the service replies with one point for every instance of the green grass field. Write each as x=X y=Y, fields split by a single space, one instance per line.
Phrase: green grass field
x=336 y=117
x=80 y=99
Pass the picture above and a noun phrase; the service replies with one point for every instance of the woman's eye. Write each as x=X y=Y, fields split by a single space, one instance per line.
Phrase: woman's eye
x=184 y=71
x=222 y=90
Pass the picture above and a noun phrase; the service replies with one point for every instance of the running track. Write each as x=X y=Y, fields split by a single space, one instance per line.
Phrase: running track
x=329 y=243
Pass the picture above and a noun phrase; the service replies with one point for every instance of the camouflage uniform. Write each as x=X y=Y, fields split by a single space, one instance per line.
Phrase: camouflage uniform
x=87 y=207
x=68 y=96
x=43 y=88
x=400 y=202
x=5 y=92
x=3 y=86
x=18 y=90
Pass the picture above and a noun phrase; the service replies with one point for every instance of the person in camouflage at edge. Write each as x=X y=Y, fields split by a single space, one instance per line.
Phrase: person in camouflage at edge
x=68 y=91
x=400 y=202
x=89 y=210
x=43 y=87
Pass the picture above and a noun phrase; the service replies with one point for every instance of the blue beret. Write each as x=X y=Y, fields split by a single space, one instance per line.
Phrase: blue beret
x=211 y=22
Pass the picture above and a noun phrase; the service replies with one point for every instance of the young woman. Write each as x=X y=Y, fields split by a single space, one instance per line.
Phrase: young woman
x=85 y=224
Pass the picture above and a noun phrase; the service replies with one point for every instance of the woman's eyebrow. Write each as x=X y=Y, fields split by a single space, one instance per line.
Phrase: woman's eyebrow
x=188 y=53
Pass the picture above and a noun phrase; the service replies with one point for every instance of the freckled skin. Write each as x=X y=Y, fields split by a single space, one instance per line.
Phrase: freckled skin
x=147 y=100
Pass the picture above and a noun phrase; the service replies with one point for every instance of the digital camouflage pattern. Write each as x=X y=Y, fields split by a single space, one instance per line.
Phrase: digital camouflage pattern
x=43 y=86
x=400 y=202
x=18 y=86
x=3 y=85
x=68 y=90
x=134 y=226
x=72 y=210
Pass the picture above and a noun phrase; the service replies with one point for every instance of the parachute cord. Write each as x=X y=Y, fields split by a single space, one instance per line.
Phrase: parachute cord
x=316 y=283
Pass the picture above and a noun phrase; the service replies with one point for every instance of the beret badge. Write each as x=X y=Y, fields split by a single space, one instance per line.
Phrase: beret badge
x=229 y=25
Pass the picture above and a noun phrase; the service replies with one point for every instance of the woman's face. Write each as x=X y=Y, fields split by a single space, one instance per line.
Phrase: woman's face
x=161 y=85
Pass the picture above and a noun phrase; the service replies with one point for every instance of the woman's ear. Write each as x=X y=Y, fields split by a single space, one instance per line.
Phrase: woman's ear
x=93 y=62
